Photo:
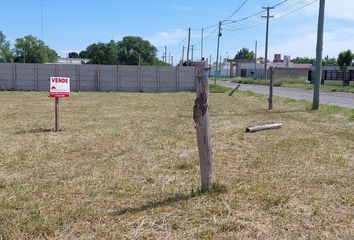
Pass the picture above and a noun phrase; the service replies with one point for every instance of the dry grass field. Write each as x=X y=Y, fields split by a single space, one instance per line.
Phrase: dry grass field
x=126 y=166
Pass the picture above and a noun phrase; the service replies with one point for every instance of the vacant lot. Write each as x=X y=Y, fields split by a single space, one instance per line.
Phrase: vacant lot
x=126 y=167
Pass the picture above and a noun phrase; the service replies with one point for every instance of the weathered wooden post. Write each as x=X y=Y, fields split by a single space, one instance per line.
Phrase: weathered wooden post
x=201 y=119
x=57 y=121
x=270 y=99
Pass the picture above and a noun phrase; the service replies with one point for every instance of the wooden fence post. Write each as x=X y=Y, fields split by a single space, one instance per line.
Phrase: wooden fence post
x=201 y=119
x=57 y=119
x=270 y=99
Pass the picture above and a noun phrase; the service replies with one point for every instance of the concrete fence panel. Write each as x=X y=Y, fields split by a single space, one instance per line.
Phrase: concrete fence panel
x=185 y=83
x=128 y=79
x=108 y=78
x=148 y=79
x=88 y=78
x=7 y=79
x=26 y=77
x=168 y=79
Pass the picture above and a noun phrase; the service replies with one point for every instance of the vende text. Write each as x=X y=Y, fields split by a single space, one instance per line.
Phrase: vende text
x=60 y=80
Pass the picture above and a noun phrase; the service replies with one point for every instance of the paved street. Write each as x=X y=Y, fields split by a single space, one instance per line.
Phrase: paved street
x=331 y=98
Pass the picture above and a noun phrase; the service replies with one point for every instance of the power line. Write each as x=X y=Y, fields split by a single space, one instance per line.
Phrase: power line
x=236 y=10
x=275 y=19
x=298 y=9
x=276 y=5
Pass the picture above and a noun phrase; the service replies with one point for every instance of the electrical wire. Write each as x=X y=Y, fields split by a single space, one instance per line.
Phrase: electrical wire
x=236 y=10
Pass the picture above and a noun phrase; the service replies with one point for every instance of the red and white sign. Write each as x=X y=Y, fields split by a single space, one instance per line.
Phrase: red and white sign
x=59 y=87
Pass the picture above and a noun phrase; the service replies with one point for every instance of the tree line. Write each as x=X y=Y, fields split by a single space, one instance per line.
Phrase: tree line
x=130 y=50
x=28 y=49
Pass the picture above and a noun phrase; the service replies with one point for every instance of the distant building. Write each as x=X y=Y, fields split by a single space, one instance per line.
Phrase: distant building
x=224 y=69
x=252 y=68
x=72 y=60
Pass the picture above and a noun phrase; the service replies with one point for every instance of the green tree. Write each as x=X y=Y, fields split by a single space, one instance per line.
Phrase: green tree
x=304 y=60
x=74 y=55
x=102 y=53
x=6 y=54
x=329 y=61
x=130 y=47
x=245 y=53
x=83 y=54
x=345 y=60
x=32 y=50
x=124 y=52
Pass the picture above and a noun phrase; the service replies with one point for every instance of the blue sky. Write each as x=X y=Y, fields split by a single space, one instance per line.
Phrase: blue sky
x=71 y=25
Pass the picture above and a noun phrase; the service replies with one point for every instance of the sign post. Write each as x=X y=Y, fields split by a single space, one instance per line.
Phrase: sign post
x=59 y=88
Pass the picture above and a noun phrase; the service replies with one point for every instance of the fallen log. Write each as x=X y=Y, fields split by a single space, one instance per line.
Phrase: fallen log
x=264 y=127
x=235 y=89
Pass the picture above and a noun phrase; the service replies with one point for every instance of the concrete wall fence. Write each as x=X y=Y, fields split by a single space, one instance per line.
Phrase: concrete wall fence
x=105 y=78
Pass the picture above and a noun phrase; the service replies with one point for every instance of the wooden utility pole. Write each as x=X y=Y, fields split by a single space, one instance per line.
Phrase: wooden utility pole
x=266 y=45
x=270 y=99
x=217 y=53
x=319 y=50
x=57 y=123
x=202 y=46
x=201 y=119
x=255 y=60
x=189 y=44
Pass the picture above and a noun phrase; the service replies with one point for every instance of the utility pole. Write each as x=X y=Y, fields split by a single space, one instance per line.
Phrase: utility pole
x=165 y=54
x=182 y=55
x=227 y=65
x=202 y=45
x=192 y=53
x=255 y=60
x=217 y=52
x=169 y=57
x=171 y=60
x=220 y=66
x=210 y=60
x=319 y=50
x=42 y=19
x=189 y=44
x=266 y=45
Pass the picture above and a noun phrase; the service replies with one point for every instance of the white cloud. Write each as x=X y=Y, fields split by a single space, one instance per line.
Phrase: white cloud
x=340 y=9
x=334 y=42
x=169 y=38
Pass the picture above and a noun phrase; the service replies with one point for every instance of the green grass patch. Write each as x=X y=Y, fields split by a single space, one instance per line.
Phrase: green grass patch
x=218 y=89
